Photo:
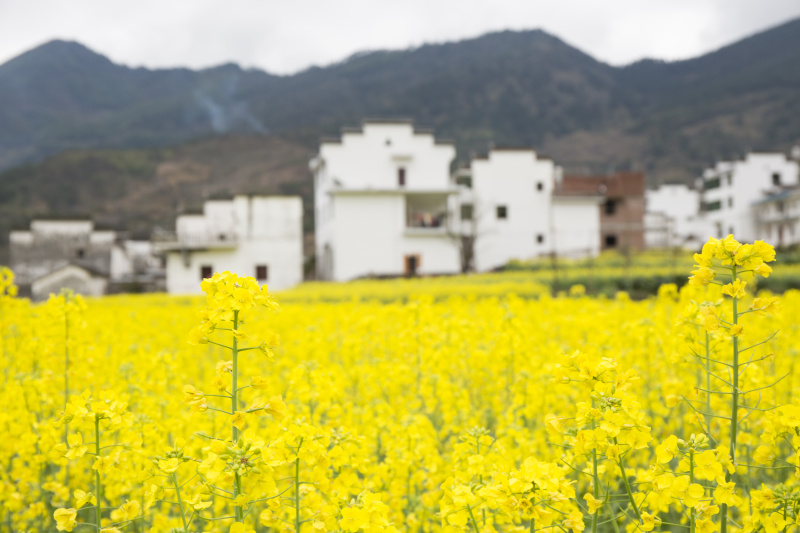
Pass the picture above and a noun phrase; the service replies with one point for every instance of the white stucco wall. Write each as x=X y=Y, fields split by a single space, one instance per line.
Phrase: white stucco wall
x=510 y=178
x=673 y=218
x=258 y=230
x=576 y=226
x=360 y=205
x=371 y=239
x=743 y=183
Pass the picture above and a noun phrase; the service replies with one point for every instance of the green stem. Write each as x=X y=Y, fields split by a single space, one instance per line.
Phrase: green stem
x=723 y=509
x=708 y=384
x=237 y=510
x=595 y=481
x=628 y=487
x=98 y=487
x=472 y=520
x=297 y=489
x=691 y=480
x=180 y=502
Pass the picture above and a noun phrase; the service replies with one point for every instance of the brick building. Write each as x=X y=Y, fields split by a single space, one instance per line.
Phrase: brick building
x=622 y=212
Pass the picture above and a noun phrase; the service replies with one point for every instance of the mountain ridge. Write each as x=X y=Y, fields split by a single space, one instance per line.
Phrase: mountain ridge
x=508 y=87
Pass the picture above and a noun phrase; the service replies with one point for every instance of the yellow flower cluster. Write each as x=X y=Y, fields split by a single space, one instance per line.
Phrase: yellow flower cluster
x=424 y=413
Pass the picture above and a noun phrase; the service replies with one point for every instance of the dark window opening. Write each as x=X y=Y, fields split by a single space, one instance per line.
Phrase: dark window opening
x=401 y=176
x=388 y=142
x=730 y=180
x=261 y=272
x=412 y=265
x=776 y=178
x=711 y=206
x=466 y=212
x=465 y=181
x=711 y=183
x=730 y=202
x=611 y=241
x=540 y=186
x=540 y=238
x=206 y=271
x=610 y=206
x=80 y=253
x=502 y=211
x=730 y=230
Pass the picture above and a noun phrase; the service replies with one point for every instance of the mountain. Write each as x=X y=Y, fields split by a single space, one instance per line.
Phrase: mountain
x=132 y=146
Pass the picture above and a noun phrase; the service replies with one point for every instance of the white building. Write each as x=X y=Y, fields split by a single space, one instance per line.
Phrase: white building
x=386 y=205
x=519 y=213
x=383 y=203
x=673 y=218
x=258 y=236
x=732 y=187
x=777 y=218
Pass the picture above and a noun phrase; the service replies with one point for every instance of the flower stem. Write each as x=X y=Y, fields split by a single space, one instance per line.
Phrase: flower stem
x=98 y=487
x=180 y=502
x=237 y=484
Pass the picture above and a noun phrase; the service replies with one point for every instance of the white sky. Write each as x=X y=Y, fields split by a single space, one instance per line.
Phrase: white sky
x=288 y=36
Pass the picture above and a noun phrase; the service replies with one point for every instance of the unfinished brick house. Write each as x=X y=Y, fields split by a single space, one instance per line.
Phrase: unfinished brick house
x=622 y=212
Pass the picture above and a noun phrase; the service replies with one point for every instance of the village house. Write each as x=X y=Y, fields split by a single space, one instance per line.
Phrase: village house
x=383 y=200
x=517 y=210
x=732 y=188
x=386 y=204
x=258 y=236
x=622 y=212
x=73 y=254
x=673 y=218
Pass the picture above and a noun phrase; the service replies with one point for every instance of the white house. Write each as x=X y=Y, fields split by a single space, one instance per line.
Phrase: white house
x=258 y=236
x=777 y=218
x=732 y=187
x=519 y=213
x=383 y=197
x=673 y=218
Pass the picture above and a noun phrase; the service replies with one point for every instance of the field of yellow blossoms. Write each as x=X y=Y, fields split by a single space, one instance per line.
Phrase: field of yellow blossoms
x=443 y=409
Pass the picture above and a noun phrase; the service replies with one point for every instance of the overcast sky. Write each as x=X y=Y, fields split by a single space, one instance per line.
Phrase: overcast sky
x=284 y=37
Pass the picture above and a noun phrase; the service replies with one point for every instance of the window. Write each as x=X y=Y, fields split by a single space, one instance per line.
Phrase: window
x=388 y=142
x=730 y=230
x=539 y=186
x=502 y=212
x=261 y=272
x=610 y=206
x=80 y=253
x=401 y=176
x=464 y=181
x=711 y=183
x=466 y=212
x=776 y=178
x=540 y=238
x=730 y=202
x=730 y=180
x=206 y=272
x=611 y=241
x=711 y=206
x=779 y=207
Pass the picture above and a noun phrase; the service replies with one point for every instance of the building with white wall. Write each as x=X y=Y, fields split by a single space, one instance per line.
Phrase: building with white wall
x=258 y=236
x=520 y=213
x=732 y=187
x=777 y=218
x=384 y=203
x=673 y=218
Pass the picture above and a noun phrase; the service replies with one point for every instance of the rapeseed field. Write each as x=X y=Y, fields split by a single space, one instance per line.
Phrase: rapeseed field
x=456 y=405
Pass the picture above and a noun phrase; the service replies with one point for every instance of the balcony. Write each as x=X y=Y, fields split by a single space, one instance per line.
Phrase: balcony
x=426 y=214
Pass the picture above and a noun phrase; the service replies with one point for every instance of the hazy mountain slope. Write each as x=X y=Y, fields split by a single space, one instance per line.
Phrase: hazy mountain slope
x=528 y=87
x=138 y=189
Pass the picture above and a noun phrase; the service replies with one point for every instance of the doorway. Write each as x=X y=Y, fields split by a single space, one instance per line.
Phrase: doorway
x=412 y=265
